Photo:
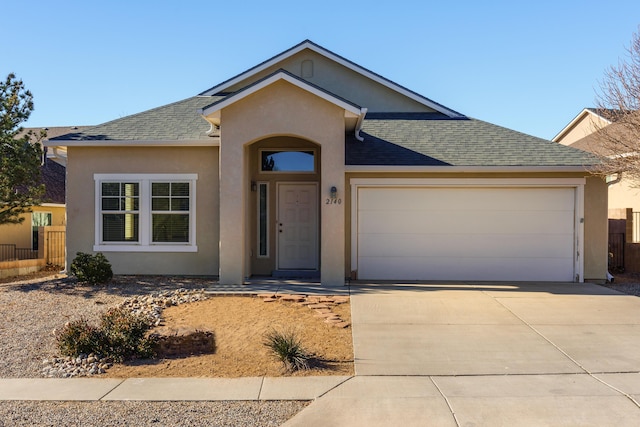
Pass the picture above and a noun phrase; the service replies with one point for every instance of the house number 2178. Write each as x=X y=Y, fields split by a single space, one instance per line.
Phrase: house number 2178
x=334 y=201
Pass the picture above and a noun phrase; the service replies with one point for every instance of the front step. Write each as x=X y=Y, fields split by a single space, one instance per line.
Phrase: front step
x=295 y=274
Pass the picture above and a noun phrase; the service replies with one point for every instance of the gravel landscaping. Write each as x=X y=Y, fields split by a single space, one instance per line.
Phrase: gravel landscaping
x=31 y=309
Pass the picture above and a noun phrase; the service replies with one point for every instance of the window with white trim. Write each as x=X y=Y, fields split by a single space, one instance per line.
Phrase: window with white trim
x=145 y=212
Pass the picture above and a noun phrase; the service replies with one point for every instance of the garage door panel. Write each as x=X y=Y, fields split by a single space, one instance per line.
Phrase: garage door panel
x=532 y=199
x=445 y=268
x=477 y=233
x=439 y=245
x=464 y=222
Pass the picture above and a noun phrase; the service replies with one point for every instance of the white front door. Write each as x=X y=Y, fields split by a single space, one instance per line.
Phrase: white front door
x=297 y=226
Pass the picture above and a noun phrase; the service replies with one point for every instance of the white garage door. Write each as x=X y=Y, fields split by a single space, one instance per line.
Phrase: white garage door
x=501 y=234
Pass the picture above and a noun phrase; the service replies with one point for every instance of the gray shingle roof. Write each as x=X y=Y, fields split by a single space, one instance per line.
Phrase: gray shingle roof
x=433 y=139
x=172 y=122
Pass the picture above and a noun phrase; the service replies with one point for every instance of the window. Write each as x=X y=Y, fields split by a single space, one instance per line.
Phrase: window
x=38 y=219
x=120 y=211
x=263 y=219
x=287 y=161
x=145 y=212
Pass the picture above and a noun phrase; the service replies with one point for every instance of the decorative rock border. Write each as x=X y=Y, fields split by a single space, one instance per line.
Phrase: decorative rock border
x=146 y=305
x=321 y=305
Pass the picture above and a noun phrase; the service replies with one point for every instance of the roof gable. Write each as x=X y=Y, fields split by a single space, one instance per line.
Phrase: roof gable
x=584 y=119
x=283 y=61
x=212 y=112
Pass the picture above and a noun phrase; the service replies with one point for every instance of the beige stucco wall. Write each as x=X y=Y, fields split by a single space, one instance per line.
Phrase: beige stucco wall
x=343 y=82
x=21 y=234
x=83 y=162
x=624 y=195
x=587 y=124
x=595 y=213
x=280 y=109
x=596 y=238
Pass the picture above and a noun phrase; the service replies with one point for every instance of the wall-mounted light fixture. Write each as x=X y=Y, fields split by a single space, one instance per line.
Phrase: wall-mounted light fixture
x=254 y=186
x=333 y=193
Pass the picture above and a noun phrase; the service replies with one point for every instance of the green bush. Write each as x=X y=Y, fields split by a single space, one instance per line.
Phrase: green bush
x=78 y=337
x=120 y=336
x=124 y=334
x=93 y=269
x=288 y=348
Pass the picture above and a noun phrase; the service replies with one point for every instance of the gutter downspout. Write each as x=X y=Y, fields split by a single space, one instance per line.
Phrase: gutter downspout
x=363 y=112
x=615 y=181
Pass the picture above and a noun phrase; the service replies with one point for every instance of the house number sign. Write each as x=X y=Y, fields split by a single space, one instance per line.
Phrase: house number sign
x=333 y=201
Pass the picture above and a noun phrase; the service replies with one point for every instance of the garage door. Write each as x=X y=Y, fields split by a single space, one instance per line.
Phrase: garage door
x=462 y=233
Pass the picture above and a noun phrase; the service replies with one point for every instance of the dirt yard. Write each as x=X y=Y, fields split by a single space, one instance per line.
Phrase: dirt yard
x=239 y=325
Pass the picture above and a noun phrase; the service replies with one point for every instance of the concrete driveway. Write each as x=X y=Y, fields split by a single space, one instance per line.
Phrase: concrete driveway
x=488 y=354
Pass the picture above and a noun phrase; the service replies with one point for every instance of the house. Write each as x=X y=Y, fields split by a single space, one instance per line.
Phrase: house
x=51 y=212
x=580 y=133
x=309 y=164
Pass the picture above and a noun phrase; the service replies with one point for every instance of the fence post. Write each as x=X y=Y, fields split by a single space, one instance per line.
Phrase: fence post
x=630 y=227
x=42 y=243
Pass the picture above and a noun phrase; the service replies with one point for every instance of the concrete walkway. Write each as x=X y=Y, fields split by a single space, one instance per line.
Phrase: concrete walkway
x=446 y=355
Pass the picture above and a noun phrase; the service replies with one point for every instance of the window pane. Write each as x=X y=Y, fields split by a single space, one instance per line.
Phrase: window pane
x=120 y=227
x=129 y=204
x=110 y=188
x=160 y=189
x=170 y=228
x=287 y=161
x=262 y=221
x=129 y=189
x=160 y=204
x=180 y=189
x=180 y=204
x=110 y=204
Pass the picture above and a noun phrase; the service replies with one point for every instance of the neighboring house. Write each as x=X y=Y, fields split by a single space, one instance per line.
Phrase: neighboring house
x=310 y=164
x=579 y=133
x=50 y=212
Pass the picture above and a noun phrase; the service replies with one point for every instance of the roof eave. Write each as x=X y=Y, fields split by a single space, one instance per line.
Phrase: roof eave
x=213 y=142
x=466 y=169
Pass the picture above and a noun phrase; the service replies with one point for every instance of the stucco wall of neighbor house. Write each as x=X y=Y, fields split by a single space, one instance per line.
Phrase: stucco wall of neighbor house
x=585 y=126
x=341 y=81
x=280 y=109
x=624 y=195
x=595 y=209
x=85 y=161
x=21 y=234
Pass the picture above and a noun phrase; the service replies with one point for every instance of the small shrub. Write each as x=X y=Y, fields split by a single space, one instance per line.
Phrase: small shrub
x=78 y=337
x=120 y=336
x=125 y=335
x=93 y=269
x=288 y=348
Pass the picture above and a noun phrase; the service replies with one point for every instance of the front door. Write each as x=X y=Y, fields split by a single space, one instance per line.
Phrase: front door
x=297 y=226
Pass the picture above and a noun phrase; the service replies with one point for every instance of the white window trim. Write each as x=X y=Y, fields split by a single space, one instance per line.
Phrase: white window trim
x=144 y=243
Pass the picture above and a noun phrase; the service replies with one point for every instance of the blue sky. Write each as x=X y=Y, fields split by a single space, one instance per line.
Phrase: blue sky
x=529 y=66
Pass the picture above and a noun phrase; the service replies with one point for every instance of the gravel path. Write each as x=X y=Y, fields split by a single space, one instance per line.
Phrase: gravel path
x=31 y=309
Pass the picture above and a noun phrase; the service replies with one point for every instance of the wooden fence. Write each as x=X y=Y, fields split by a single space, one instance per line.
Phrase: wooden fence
x=51 y=252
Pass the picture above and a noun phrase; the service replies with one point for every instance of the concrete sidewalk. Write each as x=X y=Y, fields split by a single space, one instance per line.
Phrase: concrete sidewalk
x=168 y=389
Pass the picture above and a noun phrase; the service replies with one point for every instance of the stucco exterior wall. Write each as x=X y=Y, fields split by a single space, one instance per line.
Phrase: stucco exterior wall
x=83 y=162
x=596 y=238
x=343 y=82
x=279 y=110
x=623 y=195
x=585 y=126
x=21 y=234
